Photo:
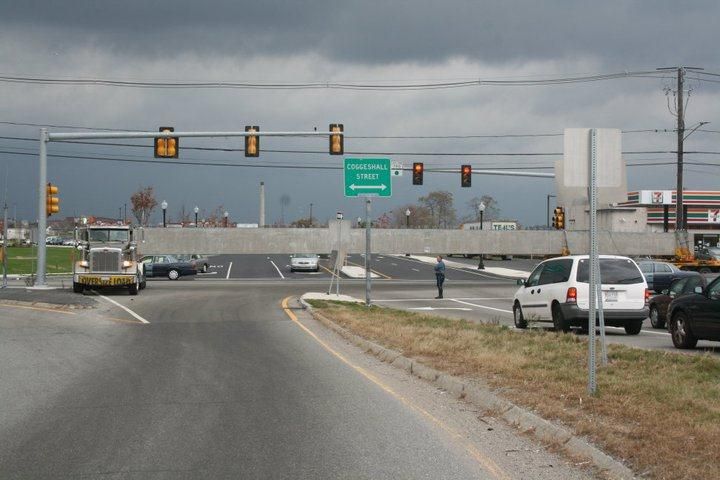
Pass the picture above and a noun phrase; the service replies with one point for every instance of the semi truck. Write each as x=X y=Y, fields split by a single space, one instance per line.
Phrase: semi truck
x=108 y=258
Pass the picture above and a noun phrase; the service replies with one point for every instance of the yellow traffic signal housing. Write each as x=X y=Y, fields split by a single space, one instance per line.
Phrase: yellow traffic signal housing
x=167 y=147
x=52 y=203
x=252 y=142
x=417 y=173
x=466 y=176
x=558 y=218
x=337 y=139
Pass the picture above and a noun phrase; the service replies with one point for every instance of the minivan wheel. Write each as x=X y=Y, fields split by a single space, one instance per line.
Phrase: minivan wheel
x=520 y=321
x=559 y=322
x=682 y=337
x=633 y=327
x=655 y=319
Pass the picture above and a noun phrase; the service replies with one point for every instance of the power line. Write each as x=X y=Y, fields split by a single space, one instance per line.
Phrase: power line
x=39 y=80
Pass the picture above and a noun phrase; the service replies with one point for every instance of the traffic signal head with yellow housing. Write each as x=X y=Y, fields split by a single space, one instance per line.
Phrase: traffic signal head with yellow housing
x=252 y=142
x=167 y=147
x=465 y=176
x=52 y=202
x=417 y=173
x=337 y=139
x=559 y=218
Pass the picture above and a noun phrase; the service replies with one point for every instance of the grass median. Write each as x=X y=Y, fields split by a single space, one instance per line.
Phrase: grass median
x=659 y=411
x=23 y=260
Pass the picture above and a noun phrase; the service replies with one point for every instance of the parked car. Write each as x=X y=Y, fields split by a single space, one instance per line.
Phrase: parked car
x=166 y=266
x=696 y=317
x=200 y=263
x=53 y=240
x=659 y=303
x=557 y=291
x=659 y=275
x=304 y=261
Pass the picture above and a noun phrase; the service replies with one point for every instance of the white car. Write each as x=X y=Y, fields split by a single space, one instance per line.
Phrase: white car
x=304 y=261
x=557 y=291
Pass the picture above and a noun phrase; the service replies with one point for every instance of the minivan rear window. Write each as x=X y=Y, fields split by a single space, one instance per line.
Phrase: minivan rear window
x=613 y=271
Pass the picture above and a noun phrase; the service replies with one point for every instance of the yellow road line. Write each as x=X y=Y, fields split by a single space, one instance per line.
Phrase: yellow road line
x=327 y=270
x=387 y=277
x=487 y=463
x=53 y=310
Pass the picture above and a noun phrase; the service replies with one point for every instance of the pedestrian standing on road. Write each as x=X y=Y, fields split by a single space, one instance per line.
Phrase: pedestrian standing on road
x=440 y=275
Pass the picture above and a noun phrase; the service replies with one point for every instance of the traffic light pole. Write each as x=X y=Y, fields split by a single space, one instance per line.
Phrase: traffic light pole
x=40 y=280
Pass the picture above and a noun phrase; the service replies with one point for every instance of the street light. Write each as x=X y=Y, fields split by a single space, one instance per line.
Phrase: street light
x=359 y=222
x=196 y=210
x=407 y=218
x=481 y=210
x=226 y=217
x=164 y=206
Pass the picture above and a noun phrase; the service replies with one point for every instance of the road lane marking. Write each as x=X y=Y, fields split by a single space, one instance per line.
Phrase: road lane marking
x=414 y=269
x=466 y=270
x=327 y=270
x=228 y=272
x=643 y=330
x=480 y=306
x=487 y=463
x=41 y=309
x=426 y=299
x=393 y=264
x=464 y=309
x=387 y=277
x=142 y=320
x=278 y=270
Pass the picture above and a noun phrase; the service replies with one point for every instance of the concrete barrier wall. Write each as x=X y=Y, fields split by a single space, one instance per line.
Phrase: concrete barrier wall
x=323 y=240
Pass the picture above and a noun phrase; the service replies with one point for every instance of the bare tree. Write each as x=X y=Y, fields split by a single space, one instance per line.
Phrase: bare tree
x=492 y=211
x=143 y=203
x=440 y=205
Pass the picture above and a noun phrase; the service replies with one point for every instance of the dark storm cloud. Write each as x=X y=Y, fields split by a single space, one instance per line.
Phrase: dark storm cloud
x=619 y=33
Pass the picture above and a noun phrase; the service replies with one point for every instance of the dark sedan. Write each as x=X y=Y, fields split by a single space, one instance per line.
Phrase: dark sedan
x=659 y=275
x=696 y=317
x=166 y=266
x=682 y=286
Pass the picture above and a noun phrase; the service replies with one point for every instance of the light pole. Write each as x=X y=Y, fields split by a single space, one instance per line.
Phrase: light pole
x=481 y=210
x=226 y=218
x=407 y=218
x=164 y=206
x=548 y=208
x=359 y=222
x=311 y=215
x=196 y=210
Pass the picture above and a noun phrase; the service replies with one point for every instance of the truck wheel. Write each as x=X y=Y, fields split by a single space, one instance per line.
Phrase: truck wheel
x=520 y=321
x=682 y=337
x=655 y=319
x=173 y=274
x=705 y=270
x=135 y=287
x=633 y=327
x=143 y=284
x=559 y=322
x=78 y=287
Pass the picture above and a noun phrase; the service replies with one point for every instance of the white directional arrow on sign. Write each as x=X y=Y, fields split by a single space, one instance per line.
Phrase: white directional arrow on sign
x=368 y=187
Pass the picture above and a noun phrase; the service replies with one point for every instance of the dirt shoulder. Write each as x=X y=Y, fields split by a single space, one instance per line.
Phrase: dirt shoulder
x=657 y=411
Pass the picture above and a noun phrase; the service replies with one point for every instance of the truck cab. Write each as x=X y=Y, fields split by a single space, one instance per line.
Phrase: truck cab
x=108 y=258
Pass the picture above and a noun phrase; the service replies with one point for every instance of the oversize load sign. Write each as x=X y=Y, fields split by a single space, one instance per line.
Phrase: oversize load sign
x=367 y=177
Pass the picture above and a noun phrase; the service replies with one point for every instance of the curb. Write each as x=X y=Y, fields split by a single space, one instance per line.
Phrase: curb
x=520 y=418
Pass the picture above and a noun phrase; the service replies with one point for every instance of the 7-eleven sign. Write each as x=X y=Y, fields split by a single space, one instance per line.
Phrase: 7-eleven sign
x=713 y=216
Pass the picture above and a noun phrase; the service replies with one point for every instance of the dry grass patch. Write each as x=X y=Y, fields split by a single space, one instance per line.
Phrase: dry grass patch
x=659 y=411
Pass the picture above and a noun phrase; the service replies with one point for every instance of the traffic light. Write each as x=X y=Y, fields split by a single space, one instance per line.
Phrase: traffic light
x=52 y=203
x=465 y=176
x=559 y=218
x=417 y=173
x=167 y=147
x=337 y=140
x=252 y=142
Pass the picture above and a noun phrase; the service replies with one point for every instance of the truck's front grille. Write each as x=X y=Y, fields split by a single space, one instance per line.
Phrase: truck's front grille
x=104 y=261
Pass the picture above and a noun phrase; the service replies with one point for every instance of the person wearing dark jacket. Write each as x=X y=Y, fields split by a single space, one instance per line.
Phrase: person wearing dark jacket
x=440 y=275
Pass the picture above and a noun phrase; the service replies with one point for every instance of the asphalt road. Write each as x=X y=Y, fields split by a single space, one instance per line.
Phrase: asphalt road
x=222 y=383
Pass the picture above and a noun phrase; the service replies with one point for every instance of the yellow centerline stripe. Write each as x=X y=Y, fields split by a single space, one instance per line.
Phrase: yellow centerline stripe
x=52 y=310
x=487 y=463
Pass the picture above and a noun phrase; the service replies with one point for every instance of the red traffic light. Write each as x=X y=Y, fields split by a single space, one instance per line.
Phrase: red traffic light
x=417 y=173
x=466 y=176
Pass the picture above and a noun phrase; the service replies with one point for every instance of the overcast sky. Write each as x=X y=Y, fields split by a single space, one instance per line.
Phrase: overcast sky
x=388 y=42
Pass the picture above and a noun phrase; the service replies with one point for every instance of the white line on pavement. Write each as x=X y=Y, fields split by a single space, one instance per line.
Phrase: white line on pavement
x=278 y=270
x=424 y=299
x=646 y=331
x=480 y=306
x=122 y=306
x=228 y=273
x=415 y=269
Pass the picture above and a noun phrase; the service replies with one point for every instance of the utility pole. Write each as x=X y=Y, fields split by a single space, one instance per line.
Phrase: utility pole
x=679 y=209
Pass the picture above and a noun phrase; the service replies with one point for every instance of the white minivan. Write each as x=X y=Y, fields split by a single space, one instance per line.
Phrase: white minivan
x=557 y=291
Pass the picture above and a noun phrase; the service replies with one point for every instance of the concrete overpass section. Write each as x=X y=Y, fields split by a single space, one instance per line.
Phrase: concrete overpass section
x=389 y=241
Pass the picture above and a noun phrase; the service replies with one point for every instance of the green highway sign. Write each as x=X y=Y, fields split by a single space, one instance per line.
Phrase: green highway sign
x=366 y=177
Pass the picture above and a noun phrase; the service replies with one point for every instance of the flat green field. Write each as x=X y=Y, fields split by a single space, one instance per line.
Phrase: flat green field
x=23 y=260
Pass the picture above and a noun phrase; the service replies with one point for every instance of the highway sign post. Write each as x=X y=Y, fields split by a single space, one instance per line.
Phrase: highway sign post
x=367 y=177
